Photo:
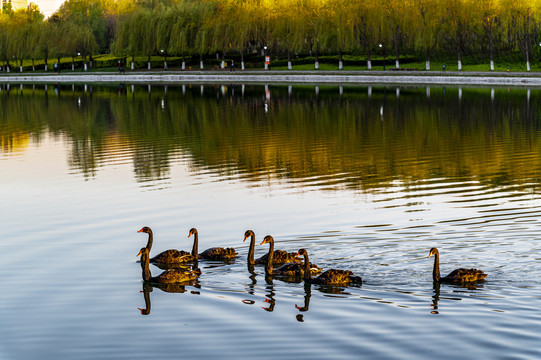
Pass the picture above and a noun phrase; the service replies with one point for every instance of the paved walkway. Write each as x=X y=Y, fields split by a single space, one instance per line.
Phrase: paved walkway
x=279 y=76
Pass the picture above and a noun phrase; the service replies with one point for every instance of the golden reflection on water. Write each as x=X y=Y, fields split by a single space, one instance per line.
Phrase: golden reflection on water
x=356 y=137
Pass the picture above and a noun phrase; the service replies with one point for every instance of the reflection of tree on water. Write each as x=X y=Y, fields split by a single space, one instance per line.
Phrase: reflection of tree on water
x=373 y=153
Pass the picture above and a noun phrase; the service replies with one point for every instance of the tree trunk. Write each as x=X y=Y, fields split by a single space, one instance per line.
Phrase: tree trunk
x=242 y=60
x=427 y=67
x=491 y=47
x=316 y=65
x=458 y=50
x=368 y=58
x=223 y=60
x=340 y=62
x=33 y=65
x=201 y=62
x=527 y=59
x=72 y=63
x=289 y=65
x=148 y=63
x=397 y=54
x=21 y=62
x=133 y=61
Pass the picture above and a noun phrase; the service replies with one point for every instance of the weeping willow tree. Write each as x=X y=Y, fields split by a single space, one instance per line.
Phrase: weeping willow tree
x=521 y=20
x=4 y=26
x=342 y=30
x=203 y=31
x=426 y=30
x=165 y=21
x=242 y=27
x=480 y=30
x=288 y=31
x=367 y=24
x=183 y=31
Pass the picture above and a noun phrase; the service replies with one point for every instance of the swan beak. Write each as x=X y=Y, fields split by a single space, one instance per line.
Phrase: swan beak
x=140 y=231
x=245 y=237
x=139 y=253
x=262 y=242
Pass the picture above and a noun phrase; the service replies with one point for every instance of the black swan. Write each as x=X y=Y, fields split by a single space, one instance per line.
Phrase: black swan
x=215 y=253
x=168 y=257
x=279 y=256
x=329 y=277
x=168 y=276
x=455 y=276
x=288 y=269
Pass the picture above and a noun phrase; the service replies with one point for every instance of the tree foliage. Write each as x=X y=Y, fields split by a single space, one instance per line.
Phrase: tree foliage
x=478 y=29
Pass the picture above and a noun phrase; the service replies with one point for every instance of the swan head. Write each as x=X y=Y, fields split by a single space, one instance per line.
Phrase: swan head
x=248 y=233
x=267 y=240
x=143 y=252
x=145 y=229
x=302 y=252
x=433 y=251
x=193 y=231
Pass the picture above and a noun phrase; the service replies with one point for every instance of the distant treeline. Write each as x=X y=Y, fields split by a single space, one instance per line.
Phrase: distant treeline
x=197 y=29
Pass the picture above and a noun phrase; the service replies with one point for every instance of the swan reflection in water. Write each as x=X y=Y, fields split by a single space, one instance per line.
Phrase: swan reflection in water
x=170 y=288
x=250 y=288
x=434 y=307
x=171 y=280
x=307 y=295
x=435 y=298
x=270 y=298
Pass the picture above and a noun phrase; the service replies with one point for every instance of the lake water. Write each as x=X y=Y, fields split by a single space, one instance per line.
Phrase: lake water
x=365 y=178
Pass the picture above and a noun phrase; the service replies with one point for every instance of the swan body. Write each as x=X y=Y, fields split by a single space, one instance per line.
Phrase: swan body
x=167 y=257
x=279 y=256
x=170 y=276
x=329 y=277
x=456 y=276
x=288 y=269
x=215 y=253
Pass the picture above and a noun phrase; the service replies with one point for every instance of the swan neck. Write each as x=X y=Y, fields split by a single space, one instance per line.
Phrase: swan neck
x=195 y=245
x=307 y=274
x=270 y=259
x=251 y=250
x=145 y=267
x=150 y=240
x=436 y=270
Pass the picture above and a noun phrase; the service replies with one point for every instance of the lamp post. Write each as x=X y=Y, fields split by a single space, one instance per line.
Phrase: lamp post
x=266 y=58
x=164 y=59
x=384 y=55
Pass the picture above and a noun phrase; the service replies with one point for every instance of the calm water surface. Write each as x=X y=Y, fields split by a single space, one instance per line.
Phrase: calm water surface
x=366 y=179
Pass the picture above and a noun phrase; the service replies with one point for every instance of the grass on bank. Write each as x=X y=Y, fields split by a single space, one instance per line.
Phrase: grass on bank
x=108 y=63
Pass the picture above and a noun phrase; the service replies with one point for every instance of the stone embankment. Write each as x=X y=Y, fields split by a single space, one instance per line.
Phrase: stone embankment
x=276 y=76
